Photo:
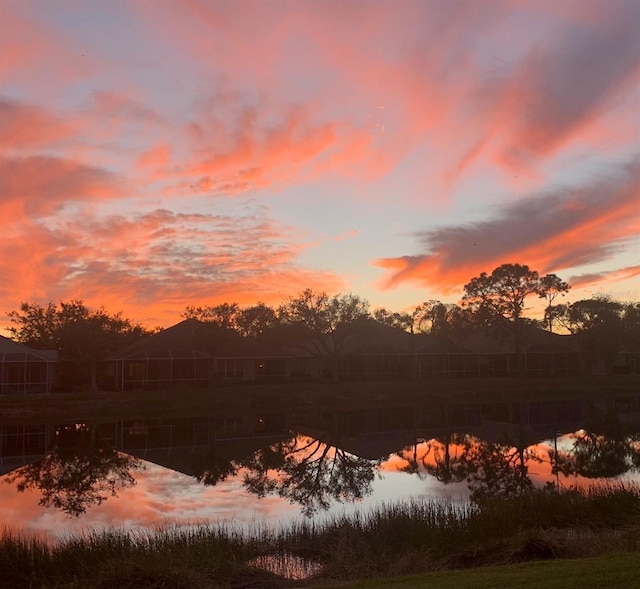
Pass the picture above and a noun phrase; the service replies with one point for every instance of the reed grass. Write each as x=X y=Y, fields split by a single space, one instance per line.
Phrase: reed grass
x=393 y=539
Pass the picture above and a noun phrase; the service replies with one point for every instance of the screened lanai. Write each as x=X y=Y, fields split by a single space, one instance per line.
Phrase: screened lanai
x=25 y=370
x=161 y=369
x=176 y=357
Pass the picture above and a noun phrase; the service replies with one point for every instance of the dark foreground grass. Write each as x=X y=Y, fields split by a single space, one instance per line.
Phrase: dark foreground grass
x=393 y=540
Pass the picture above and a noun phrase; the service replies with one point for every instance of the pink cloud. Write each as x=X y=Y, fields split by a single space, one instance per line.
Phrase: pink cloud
x=24 y=126
x=151 y=266
x=602 y=278
x=43 y=184
x=423 y=96
x=29 y=44
x=561 y=229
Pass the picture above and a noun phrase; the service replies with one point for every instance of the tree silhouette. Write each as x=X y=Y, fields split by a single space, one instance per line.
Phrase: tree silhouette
x=310 y=473
x=502 y=295
x=448 y=456
x=81 y=335
x=213 y=468
x=322 y=322
x=600 y=325
x=78 y=474
x=399 y=320
x=435 y=318
x=447 y=467
x=603 y=449
x=551 y=286
x=224 y=315
x=256 y=320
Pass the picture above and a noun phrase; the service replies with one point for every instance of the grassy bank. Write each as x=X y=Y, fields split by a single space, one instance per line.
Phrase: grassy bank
x=613 y=571
x=394 y=540
x=108 y=406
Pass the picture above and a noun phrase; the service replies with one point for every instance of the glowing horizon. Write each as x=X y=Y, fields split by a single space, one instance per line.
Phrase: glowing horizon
x=160 y=155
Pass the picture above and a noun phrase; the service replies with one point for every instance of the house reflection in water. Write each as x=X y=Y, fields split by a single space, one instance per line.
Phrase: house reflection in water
x=316 y=457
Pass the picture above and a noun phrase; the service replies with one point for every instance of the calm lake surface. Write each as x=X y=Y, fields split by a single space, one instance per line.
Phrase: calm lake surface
x=258 y=469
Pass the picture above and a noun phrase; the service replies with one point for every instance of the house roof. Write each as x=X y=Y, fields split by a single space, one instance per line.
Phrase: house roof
x=194 y=460
x=429 y=344
x=533 y=340
x=194 y=339
x=374 y=338
x=183 y=340
x=11 y=351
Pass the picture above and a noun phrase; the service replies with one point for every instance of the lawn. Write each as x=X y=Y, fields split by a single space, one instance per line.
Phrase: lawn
x=612 y=571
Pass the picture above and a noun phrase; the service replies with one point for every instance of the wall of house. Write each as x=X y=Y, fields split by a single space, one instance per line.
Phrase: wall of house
x=26 y=377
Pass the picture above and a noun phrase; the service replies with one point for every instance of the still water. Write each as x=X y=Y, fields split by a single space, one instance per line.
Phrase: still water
x=259 y=469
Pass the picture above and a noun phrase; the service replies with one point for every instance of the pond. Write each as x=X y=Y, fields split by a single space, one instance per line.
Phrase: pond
x=260 y=469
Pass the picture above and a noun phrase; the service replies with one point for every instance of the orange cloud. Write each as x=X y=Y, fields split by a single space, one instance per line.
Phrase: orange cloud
x=43 y=184
x=417 y=98
x=155 y=158
x=151 y=266
x=24 y=126
x=449 y=96
x=598 y=278
x=160 y=498
x=550 y=232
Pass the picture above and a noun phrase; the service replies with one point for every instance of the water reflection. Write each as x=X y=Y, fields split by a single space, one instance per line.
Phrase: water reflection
x=605 y=448
x=318 y=458
x=80 y=471
x=444 y=458
x=309 y=472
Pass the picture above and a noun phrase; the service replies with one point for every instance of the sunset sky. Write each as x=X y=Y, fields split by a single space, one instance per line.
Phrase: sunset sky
x=159 y=154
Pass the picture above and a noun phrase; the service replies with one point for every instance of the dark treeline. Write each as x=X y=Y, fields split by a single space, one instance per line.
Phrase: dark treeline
x=492 y=304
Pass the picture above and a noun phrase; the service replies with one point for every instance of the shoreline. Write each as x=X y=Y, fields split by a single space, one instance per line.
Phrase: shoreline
x=274 y=397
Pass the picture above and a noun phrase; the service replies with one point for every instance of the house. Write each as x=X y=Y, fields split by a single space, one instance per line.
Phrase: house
x=179 y=356
x=25 y=370
x=438 y=357
x=374 y=350
x=543 y=354
x=627 y=360
x=259 y=360
x=195 y=354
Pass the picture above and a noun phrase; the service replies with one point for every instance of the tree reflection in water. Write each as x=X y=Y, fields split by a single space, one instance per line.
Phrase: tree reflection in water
x=604 y=449
x=498 y=470
x=79 y=473
x=309 y=472
x=448 y=468
x=212 y=468
x=491 y=469
x=443 y=458
x=83 y=470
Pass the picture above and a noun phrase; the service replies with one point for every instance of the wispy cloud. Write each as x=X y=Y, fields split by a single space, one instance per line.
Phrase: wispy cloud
x=42 y=185
x=556 y=230
x=596 y=278
x=153 y=265
x=421 y=107
x=24 y=127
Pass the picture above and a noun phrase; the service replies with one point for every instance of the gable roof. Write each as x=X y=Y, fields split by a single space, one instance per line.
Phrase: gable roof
x=534 y=339
x=183 y=340
x=432 y=344
x=192 y=338
x=371 y=338
x=11 y=351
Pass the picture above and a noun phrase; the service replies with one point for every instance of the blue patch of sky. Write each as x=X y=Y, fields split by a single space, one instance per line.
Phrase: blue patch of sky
x=113 y=32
